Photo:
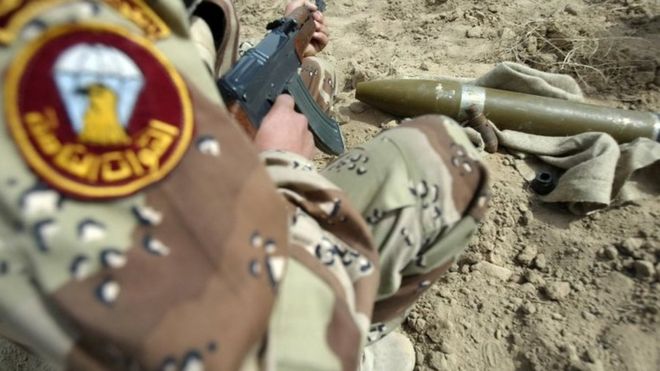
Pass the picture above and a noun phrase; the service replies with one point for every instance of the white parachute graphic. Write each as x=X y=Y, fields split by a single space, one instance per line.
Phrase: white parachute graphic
x=84 y=66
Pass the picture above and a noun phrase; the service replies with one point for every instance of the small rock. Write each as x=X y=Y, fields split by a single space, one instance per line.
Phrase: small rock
x=446 y=348
x=528 y=308
x=534 y=277
x=588 y=316
x=527 y=255
x=609 y=252
x=657 y=272
x=631 y=245
x=528 y=287
x=507 y=33
x=470 y=258
x=424 y=66
x=495 y=258
x=557 y=316
x=548 y=58
x=558 y=290
x=437 y=361
x=570 y=9
x=644 y=269
x=357 y=107
x=419 y=325
x=526 y=218
x=591 y=355
x=629 y=263
x=540 y=262
x=444 y=292
x=389 y=124
x=475 y=32
x=420 y=356
x=532 y=45
x=493 y=270
x=439 y=331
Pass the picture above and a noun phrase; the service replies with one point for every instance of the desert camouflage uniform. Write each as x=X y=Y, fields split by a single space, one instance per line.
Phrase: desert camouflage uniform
x=236 y=260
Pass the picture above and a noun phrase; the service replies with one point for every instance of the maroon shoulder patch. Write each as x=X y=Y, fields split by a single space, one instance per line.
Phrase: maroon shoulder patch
x=97 y=112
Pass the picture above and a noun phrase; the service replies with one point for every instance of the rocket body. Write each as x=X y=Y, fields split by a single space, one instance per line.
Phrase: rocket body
x=507 y=110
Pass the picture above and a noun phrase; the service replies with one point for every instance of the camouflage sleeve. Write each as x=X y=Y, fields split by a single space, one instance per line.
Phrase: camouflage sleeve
x=138 y=228
x=325 y=302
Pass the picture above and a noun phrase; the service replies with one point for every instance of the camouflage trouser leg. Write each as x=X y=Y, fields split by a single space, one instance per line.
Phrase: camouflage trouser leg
x=319 y=78
x=422 y=191
x=214 y=29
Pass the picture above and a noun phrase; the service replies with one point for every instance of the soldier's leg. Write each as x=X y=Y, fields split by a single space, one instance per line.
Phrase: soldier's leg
x=214 y=29
x=422 y=190
x=320 y=79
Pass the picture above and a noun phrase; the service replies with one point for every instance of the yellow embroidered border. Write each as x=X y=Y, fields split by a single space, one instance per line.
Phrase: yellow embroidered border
x=142 y=15
x=137 y=11
x=23 y=16
x=44 y=169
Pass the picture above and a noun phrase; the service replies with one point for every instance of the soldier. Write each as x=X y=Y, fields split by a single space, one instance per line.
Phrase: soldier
x=162 y=238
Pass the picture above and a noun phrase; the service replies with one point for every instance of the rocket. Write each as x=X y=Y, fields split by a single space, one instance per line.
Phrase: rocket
x=507 y=110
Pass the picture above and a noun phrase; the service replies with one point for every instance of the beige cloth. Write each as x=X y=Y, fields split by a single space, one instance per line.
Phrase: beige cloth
x=523 y=79
x=598 y=172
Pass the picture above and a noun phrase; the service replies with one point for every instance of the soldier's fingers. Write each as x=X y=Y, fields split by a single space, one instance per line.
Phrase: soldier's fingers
x=323 y=28
x=309 y=147
x=311 y=6
x=320 y=27
x=284 y=101
x=321 y=39
x=295 y=4
x=318 y=17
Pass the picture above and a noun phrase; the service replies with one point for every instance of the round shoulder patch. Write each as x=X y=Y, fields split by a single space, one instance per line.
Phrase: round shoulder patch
x=97 y=112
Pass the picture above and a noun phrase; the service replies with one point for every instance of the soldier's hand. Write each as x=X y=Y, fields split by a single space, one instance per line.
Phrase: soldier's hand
x=285 y=129
x=321 y=36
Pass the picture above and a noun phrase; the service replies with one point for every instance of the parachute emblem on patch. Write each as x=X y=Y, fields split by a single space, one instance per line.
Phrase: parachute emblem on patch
x=99 y=86
x=97 y=112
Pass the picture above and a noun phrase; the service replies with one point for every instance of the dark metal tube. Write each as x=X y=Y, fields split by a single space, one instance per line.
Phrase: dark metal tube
x=508 y=110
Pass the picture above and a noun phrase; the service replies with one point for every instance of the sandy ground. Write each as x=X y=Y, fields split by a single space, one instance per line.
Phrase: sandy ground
x=566 y=292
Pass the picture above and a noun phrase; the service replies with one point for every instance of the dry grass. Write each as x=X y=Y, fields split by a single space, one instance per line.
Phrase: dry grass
x=596 y=62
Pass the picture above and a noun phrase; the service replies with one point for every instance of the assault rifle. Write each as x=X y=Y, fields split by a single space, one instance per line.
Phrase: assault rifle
x=270 y=69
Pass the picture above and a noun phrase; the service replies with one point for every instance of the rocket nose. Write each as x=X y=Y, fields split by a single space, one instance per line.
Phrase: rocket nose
x=396 y=97
x=378 y=94
x=408 y=97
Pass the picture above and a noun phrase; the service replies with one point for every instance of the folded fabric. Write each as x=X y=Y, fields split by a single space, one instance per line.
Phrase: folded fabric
x=597 y=170
x=523 y=79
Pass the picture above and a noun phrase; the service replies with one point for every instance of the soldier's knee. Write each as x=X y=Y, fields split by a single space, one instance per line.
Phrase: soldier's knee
x=440 y=143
